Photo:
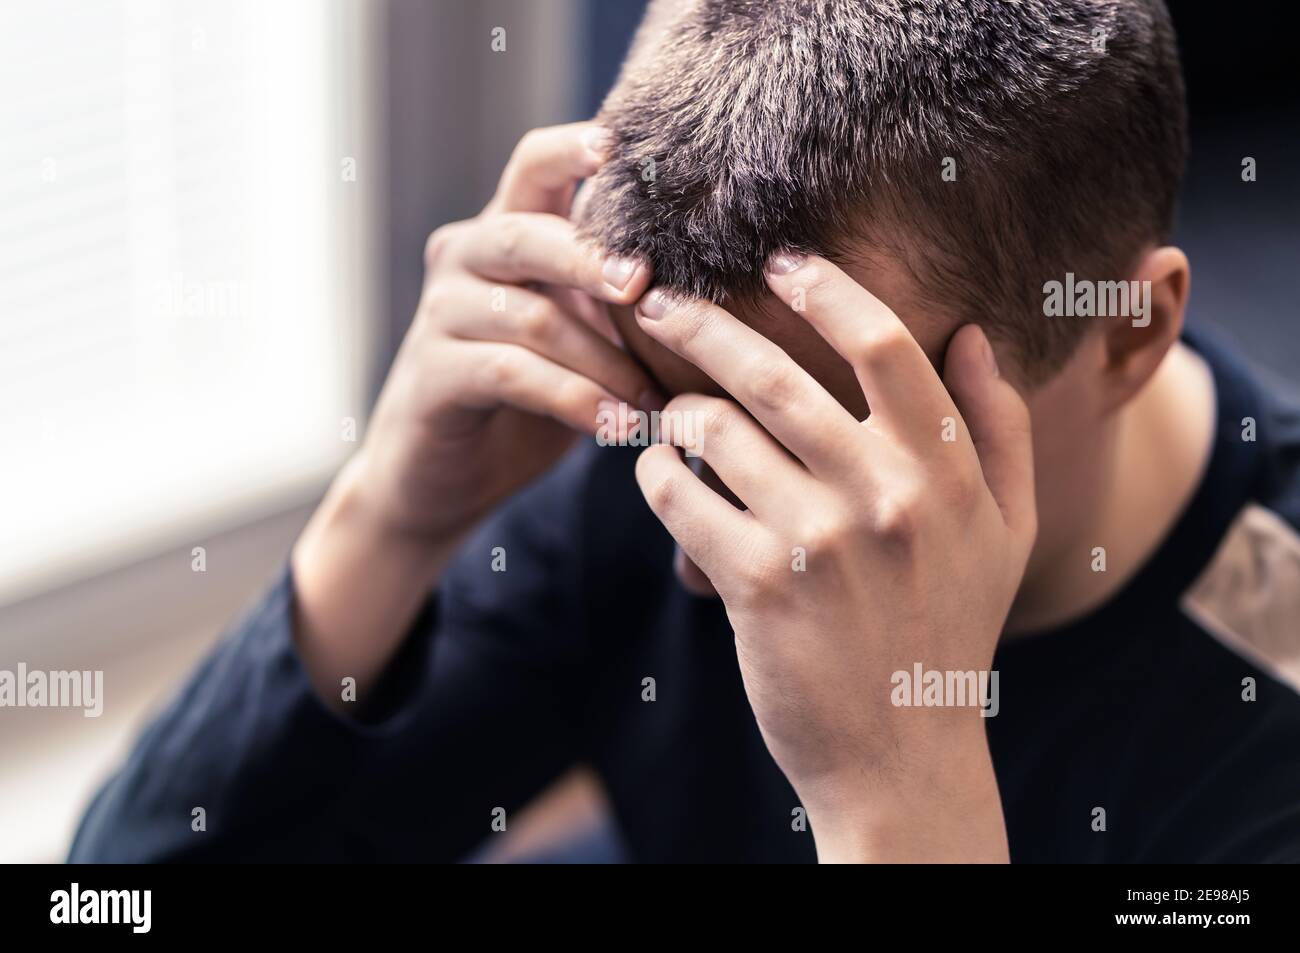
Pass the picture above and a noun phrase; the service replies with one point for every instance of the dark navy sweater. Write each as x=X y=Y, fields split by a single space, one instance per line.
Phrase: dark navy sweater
x=1143 y=709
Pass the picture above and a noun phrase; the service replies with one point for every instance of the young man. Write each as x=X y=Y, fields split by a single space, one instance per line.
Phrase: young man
x=937 y=448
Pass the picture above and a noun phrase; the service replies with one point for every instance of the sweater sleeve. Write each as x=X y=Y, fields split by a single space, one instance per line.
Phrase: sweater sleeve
x=479 y=710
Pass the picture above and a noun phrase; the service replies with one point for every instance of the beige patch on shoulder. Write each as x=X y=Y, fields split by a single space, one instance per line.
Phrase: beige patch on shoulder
x=1248 y=597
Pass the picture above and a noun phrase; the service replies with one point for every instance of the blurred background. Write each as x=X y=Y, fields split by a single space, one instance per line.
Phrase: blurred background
x=211 y=223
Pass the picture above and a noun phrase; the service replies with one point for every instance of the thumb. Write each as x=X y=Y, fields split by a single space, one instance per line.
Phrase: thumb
x=999 y=425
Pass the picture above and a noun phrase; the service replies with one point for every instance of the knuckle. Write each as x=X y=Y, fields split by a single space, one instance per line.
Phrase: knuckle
x=761 y=578
x=772 y=386
x=436 y=300
x=716 y=418
x=576 y=398
x=500 y=372
x=662 y=493
x=528 y=143
x=574 y=394
x=510 y=239
x=821 y=534
x=896 y=519
x=534 y=321
x=435 y=246
x=883 y=346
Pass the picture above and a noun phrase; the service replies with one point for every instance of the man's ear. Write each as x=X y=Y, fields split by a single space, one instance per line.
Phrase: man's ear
x=1135 y=345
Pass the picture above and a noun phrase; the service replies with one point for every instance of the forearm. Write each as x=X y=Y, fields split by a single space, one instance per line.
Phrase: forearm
x=359 y=587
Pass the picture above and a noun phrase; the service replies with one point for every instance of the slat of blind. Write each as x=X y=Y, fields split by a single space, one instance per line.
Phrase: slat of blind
x=172 y=342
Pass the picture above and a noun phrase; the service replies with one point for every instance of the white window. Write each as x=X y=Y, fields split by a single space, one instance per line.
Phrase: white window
x=184 y=277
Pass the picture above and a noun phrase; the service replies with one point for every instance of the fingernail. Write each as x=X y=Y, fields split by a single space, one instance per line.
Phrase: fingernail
x=651 y=401
x=654 y=305
x=784 y=262
x=617 y=272
x=598 y=140
x=990 y=359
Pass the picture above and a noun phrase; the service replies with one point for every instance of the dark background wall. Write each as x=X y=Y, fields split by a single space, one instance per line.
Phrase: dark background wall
x=1243 y=238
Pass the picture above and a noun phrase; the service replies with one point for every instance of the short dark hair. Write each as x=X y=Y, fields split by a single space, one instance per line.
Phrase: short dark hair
x=745 y=126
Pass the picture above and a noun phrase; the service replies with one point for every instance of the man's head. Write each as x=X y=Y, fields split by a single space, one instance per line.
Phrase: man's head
x=953 y=157
x=959 y=155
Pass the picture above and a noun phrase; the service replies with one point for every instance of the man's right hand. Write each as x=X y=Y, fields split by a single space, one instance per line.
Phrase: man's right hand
x=510 y=355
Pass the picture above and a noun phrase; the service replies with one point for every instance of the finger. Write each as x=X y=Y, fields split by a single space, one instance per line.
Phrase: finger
x=780 y=394
x=754 y=467
x=513 y=375
x=999 y=426
x=712 y=532
x=902 y=388
x=587 y=309
x=546 y=166
x=518 y=247
x=472 y=310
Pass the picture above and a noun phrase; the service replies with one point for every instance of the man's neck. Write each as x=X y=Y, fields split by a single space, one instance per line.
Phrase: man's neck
x=1159 y=449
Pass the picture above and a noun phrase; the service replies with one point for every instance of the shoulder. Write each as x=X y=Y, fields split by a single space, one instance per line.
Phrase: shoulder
x=1247 y=597
x=1240 y=658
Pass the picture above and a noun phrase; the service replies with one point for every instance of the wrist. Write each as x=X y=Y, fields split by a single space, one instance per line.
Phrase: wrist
x=947 y=810
x=359 y=584
x=352 y=517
